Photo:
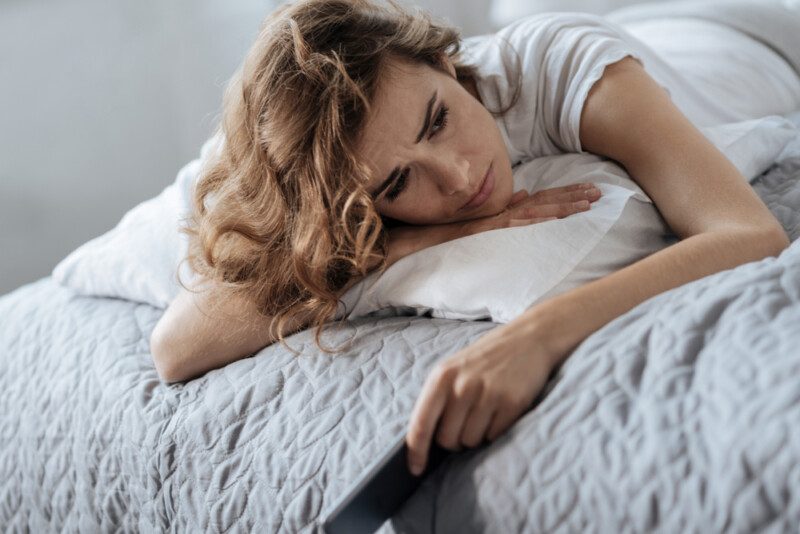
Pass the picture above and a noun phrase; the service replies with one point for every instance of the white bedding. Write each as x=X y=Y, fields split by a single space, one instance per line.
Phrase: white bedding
x=138 y=259
x=744 y=75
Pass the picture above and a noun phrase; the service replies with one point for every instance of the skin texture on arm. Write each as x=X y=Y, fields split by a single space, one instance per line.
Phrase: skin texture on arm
x=481 y=390
x=206 y=330
x=628 y=117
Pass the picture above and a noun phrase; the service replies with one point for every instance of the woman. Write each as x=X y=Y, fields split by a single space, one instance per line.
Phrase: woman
x=355 y=135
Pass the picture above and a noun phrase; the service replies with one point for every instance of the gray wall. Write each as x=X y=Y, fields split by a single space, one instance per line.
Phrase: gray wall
x=103 y=101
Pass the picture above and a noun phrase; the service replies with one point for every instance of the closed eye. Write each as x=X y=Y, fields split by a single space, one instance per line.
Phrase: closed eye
x=398 y=186
x=440 y=122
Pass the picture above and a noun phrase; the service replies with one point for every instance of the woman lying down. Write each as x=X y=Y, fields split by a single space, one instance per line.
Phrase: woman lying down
x=356 y=135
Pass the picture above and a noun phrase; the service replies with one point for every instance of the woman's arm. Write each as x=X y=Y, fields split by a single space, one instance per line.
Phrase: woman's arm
x=481 y=390
x=628 y=117
x=208 y=329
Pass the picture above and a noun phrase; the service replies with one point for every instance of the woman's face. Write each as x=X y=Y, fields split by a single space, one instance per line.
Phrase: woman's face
x=434 y=151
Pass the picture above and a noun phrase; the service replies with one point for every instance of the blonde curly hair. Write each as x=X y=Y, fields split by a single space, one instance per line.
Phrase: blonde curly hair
x=281 y=214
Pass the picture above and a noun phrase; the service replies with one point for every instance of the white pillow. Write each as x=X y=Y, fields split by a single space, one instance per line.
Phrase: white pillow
x=138 y=259
x=501 y=273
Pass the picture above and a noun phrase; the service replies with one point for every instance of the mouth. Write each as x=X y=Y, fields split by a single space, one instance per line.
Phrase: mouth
x=484 y=191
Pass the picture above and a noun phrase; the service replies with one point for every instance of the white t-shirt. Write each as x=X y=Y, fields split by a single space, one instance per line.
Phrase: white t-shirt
x=561 y=56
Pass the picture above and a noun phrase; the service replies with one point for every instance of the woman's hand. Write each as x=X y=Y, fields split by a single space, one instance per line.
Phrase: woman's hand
x=523 y=209
x=478 y=392
x=545 y=205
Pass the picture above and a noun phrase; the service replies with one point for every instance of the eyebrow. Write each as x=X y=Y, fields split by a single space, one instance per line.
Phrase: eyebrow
x=425 y=125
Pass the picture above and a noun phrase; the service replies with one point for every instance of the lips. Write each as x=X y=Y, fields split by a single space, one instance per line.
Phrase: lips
x=486 y=188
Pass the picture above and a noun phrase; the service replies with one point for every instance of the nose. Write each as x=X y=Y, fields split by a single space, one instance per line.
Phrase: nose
x=453 y=175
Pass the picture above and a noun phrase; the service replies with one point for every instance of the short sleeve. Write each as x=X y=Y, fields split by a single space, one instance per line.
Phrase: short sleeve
x=554 y=59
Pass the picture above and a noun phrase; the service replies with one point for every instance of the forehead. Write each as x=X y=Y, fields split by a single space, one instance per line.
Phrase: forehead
x=398 y=110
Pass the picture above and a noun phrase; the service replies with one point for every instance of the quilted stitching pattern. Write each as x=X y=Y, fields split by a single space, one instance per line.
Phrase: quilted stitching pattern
x=92 y=440
x=679 y=416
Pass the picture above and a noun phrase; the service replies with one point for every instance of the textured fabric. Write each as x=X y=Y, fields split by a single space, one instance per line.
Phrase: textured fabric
x=679 y=416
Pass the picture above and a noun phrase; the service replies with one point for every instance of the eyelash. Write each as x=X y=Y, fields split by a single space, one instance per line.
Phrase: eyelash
x=400 y=184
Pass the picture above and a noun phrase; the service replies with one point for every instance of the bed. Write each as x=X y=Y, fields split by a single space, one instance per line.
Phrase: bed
x=680 y=415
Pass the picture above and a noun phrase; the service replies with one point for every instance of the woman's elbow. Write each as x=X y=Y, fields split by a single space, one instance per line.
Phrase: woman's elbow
x=164 y=356
x=776 y=240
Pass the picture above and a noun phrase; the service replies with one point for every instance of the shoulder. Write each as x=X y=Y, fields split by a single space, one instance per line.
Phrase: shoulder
x=550 y=28
x=544 y=42
x=540 y=69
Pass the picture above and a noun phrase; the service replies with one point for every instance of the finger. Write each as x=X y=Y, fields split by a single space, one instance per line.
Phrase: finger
x=592 y=194
x=518 y=197
x=550 y=210
x=424 y=417
x=526 y=222
x=477 y=423
x=555 y=191
x=459 y=403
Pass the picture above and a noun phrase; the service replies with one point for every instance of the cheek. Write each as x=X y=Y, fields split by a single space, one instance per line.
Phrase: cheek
x=418 y=206
x=506 y=190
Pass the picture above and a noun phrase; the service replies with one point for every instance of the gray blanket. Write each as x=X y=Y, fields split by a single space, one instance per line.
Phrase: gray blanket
x=681 y=415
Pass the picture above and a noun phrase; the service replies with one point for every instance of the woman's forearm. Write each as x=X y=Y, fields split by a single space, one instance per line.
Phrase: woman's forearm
x=564 y=321
x=206 y=330
x=209 y=329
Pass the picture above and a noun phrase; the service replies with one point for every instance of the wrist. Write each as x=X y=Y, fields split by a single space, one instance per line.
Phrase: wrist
x=543 y=326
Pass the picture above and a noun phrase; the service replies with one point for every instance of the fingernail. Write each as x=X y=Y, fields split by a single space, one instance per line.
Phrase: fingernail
x=582 y=204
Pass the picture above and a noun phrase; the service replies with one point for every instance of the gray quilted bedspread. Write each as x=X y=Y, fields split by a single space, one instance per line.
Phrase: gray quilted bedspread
x=682 y=415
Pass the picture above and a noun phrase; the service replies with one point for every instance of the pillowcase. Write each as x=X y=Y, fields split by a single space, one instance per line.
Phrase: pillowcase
x=138 y=259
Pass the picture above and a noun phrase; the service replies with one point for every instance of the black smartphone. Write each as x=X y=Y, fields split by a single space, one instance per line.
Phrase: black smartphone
x=383 y=489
